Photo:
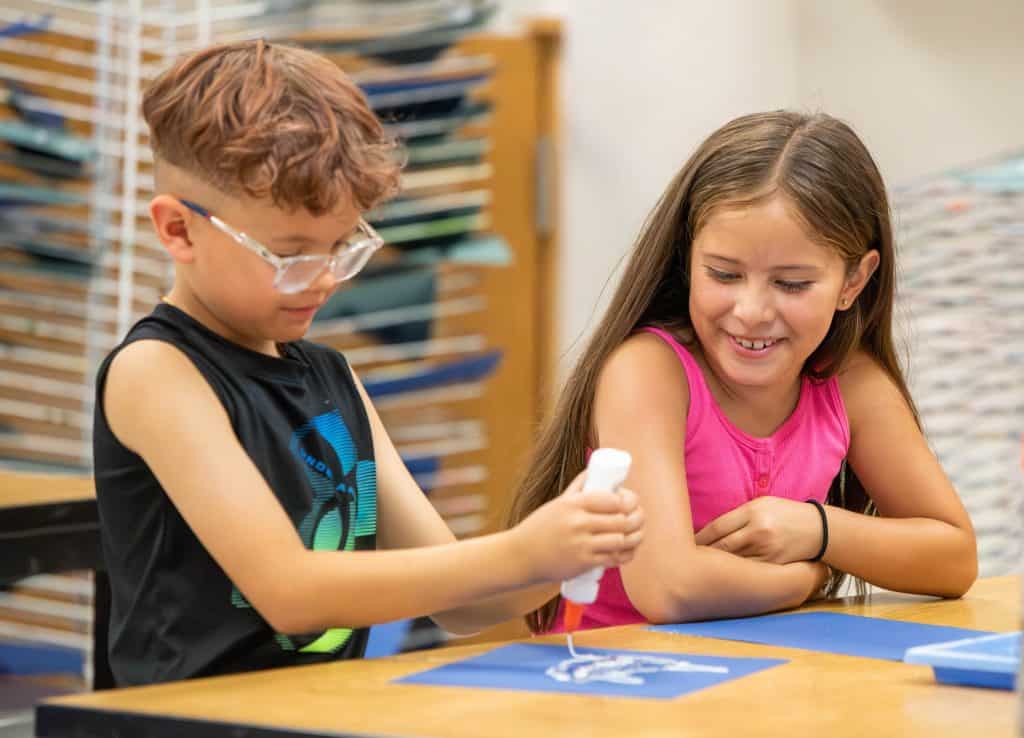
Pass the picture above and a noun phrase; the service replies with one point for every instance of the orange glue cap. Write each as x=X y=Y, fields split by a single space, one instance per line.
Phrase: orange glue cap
x=572 y=615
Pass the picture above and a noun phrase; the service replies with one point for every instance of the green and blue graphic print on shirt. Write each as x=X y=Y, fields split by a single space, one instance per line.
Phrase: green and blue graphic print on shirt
x=343 y=510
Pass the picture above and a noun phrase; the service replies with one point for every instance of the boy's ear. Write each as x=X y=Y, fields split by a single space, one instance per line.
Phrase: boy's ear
x=171 y=220
x=858 y=279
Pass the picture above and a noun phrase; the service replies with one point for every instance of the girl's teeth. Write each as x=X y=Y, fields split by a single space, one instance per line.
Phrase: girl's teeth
x=754 y=345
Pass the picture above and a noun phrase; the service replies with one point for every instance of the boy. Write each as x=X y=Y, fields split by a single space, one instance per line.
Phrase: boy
x=243 y=476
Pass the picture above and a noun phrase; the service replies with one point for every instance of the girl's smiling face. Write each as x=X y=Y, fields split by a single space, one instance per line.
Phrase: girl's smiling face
x=763 y=294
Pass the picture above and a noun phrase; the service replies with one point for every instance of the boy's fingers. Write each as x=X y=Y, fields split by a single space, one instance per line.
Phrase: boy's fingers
x=616 y=543
x=613 y=522
x=628 y=499
x=608 y=543
x=624 y=557
x=607 y=560
x=597 y=524
x=599 y=501
x=632 y=540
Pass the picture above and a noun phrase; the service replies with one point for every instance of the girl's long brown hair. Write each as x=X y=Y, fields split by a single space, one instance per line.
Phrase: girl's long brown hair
x=823 y=169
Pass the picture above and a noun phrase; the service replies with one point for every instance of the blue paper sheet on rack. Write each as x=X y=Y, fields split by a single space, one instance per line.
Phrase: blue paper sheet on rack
x=830 y=632
x=32 y=658
x=385 y=383
x=524 y=667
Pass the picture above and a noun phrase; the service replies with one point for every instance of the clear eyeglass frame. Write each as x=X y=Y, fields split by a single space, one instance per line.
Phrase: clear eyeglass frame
x=295 y=273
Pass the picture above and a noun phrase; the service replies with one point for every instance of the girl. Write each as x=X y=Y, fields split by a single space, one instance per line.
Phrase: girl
x=746 y=361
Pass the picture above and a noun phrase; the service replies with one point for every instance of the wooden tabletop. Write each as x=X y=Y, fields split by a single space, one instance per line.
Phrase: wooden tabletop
x=812 y=694
x=18 y=489
x=48 y=523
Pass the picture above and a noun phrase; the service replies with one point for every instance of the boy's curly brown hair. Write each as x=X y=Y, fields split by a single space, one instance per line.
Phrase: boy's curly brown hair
x=271 y=121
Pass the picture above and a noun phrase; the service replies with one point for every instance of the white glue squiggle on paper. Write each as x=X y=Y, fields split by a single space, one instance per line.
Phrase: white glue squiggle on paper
x=621 y=669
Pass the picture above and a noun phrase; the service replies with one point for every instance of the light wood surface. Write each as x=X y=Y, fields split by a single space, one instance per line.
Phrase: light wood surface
x=812 y=694
x=18 y=489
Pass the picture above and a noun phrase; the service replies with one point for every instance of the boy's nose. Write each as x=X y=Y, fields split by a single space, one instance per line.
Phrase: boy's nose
x=324 y=281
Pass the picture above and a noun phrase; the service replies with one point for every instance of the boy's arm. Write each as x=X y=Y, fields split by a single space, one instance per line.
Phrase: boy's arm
x=407 y=519
x=159 y=406
x=641 y=406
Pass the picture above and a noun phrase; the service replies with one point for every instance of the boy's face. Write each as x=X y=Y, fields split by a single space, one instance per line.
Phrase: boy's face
x=234 y=287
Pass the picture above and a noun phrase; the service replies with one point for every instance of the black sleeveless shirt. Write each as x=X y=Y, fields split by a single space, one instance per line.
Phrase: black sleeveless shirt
x=175 y=614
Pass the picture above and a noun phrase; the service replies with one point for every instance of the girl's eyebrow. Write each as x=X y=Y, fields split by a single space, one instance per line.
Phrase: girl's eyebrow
x=798 y=267
x=782 y=268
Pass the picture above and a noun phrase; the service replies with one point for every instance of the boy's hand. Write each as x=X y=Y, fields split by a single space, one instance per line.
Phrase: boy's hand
x=577 y=531
x=772 y=529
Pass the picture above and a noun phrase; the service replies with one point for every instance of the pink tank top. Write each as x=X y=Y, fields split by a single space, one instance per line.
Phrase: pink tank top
x=726 y=467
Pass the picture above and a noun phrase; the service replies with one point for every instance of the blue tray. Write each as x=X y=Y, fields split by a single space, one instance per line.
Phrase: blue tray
x=989 y=661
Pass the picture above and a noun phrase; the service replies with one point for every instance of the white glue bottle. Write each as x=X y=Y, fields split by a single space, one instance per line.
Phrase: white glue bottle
x=606 y=470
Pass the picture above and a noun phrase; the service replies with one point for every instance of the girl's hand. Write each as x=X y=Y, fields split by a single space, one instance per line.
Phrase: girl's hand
x=577 y=531
x=823 y=576
x=772 y=529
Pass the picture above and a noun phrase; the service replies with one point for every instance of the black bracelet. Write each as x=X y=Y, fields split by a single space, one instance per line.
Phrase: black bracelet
x=824 y=529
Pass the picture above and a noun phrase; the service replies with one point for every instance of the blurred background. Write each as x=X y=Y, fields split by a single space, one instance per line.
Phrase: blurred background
x=930 y=87
x=539 y=135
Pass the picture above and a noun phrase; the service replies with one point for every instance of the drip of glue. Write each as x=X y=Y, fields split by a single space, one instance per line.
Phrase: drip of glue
x=606 y=470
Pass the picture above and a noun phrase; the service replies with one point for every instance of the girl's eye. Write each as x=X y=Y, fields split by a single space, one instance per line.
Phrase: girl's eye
x=788 y=286
x=721 y=276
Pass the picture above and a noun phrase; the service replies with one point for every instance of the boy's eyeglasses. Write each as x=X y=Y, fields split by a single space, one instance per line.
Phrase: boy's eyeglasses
x=296 y=273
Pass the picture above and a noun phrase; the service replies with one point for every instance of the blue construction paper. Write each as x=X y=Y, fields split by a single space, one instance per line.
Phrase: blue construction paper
x=386 y=639
x=989 y=661
x=33 y=658
x=371 y=89
x=830 y=632
x=522 y=667
x=424 y=101
x=422 y=464
x=23 y=28
x=437 y=375
x=421 y=45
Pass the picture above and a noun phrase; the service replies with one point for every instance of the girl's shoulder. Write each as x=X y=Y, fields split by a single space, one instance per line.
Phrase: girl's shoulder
x=642 y=394
x=646 y=368
x=861 y=370
x=867 y=389
x=663 y=341
x=659 y=352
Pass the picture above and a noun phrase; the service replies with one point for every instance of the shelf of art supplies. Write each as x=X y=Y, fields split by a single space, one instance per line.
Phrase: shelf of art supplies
x=450 y=328
x=62 y=159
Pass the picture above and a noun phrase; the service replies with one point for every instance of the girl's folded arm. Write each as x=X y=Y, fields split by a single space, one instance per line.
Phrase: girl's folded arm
x=923 y=541
x=641 y=406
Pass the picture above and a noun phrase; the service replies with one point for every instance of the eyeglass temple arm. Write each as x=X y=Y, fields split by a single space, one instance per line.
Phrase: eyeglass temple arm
x=196 y=208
